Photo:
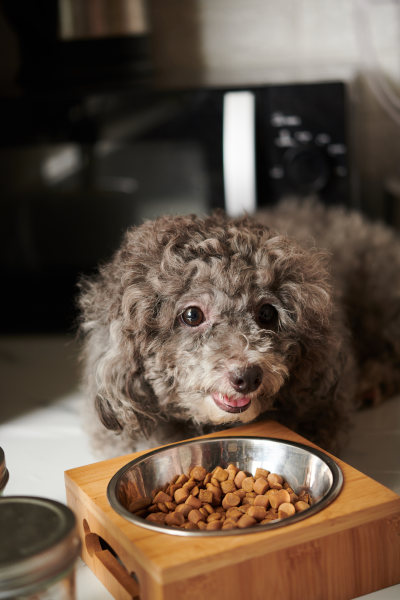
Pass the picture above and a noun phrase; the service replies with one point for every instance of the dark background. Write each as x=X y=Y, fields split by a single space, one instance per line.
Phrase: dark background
x=92 y=143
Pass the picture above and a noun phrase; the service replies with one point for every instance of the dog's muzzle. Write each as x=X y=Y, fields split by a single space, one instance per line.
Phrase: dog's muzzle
x=244 y=380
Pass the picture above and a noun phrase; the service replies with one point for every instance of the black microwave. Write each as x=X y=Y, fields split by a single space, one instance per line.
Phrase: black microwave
x=259 y=144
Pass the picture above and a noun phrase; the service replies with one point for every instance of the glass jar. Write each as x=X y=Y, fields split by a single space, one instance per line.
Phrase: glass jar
x=3 y=471
x=39 y=547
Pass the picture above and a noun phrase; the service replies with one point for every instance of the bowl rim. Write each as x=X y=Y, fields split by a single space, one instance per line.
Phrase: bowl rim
x=336 y=487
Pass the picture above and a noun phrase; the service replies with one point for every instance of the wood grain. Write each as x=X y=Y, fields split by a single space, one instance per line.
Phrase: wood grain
x=350 y=548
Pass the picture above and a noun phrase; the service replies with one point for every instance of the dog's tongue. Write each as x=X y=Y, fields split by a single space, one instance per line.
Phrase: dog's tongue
x=235 y=402
x=230 y=404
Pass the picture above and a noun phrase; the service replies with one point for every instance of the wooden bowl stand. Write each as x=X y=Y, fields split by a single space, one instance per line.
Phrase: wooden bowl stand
x=350 y=548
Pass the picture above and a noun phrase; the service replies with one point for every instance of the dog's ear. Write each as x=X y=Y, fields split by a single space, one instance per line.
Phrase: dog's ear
x=113 y=344
x=119 y=310
x=115 y=387
x=110 y=421
x=106 y=414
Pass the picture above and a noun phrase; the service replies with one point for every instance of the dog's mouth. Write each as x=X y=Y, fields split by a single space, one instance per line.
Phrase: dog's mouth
x=231 y=404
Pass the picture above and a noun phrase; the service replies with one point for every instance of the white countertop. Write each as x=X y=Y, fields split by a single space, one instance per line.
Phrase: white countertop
x=41 y=434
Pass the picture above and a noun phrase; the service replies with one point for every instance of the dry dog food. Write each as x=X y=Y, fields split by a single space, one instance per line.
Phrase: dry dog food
x=221 y=499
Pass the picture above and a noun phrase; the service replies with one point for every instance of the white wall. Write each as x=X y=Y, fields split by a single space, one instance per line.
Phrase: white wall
x=258 y=40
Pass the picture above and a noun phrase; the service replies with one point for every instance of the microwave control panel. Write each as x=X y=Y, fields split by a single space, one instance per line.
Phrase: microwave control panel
x=301 y=142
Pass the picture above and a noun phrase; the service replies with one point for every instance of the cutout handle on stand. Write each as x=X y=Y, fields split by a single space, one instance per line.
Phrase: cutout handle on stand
x=122 y=584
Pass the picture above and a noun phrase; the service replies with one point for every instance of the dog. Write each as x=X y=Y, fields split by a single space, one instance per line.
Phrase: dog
x=202 y=323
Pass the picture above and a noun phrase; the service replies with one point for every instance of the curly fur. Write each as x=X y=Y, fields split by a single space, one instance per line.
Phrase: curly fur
x=332 y=278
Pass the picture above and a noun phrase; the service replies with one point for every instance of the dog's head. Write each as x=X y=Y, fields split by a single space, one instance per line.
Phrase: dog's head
x=204 y=319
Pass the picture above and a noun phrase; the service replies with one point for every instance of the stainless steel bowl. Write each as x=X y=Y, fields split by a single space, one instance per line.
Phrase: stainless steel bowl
x=301 y=466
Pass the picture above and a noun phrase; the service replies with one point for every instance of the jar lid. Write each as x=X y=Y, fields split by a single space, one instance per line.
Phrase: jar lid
x=39 y=543
x=3 y=470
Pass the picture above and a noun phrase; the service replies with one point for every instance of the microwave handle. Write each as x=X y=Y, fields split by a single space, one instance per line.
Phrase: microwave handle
x=239 y=152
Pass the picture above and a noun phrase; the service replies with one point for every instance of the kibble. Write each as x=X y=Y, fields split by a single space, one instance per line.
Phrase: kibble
x=286 y=509
x=181 y=495
x=193 y=501
x=230 y=500
x=195 y=516
x=225 y=498
x=261 y=485
x=198 y=473
x=300 y=506
x=246 y=521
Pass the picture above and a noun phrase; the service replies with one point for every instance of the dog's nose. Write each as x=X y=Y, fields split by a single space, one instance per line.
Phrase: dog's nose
x=246 y=379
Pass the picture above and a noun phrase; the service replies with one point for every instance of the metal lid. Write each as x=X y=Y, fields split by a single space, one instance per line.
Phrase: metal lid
x=3 y=470
x=39 y=543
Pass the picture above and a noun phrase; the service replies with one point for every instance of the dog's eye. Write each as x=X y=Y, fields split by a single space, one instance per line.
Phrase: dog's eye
x=266 y=315
x=192 y=316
